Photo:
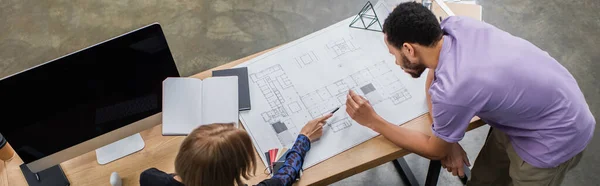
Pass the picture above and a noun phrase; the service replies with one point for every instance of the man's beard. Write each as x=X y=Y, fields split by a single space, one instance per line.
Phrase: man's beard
x=417 y=68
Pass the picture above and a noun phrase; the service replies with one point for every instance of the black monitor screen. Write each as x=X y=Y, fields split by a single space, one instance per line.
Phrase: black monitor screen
x=80 y=96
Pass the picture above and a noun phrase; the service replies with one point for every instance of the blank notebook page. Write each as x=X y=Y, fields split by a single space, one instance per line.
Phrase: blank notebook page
x=220 y=100
x=182 y=105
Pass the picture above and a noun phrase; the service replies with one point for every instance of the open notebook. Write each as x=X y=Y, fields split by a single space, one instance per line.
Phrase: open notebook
x=190 y=102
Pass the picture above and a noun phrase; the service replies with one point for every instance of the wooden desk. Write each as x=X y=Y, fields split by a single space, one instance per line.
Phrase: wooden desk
x=160 y=152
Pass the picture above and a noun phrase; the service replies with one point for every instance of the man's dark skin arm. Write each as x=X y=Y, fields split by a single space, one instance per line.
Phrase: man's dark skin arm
x=456 y=150
x=430 y=147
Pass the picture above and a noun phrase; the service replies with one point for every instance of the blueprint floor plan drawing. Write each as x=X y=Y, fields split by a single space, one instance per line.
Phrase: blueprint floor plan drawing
x=306 y=59
x=341 y=46
x=310 y=77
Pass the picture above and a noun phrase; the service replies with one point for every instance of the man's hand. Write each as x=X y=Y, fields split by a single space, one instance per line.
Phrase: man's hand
x=360 y=110
x=455 y=160
x=314 y=128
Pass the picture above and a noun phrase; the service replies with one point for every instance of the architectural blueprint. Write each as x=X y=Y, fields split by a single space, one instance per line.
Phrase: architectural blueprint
x=311 y=76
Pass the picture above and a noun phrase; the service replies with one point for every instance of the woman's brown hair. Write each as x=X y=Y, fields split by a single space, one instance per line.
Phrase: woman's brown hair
x=216 y=154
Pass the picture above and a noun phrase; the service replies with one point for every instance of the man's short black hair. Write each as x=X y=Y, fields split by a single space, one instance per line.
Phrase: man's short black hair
x=411 y=22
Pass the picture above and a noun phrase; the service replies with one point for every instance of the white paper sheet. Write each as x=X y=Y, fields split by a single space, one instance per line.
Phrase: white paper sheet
x=182 y=103
x=220 y=100
x=311 y=76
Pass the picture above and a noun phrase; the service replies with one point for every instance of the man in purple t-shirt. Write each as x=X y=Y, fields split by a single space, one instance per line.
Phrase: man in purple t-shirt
x=540 y=121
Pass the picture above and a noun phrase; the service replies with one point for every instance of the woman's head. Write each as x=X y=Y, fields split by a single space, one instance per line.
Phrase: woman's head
x=216 y=154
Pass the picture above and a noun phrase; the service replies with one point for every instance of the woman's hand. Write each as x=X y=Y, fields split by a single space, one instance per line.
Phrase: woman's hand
x=314 y=128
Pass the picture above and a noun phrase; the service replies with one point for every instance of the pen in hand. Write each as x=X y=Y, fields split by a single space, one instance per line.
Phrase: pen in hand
x=335 y=110
x=332 y=112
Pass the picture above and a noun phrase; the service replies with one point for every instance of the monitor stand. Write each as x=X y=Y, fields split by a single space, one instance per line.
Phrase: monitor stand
x=119 y=149
x=53 y=176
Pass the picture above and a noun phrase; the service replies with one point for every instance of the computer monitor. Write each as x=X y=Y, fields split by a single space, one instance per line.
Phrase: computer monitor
x=88 y=99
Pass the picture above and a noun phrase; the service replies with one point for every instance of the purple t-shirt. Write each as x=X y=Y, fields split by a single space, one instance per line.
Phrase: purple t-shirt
x=512 y=85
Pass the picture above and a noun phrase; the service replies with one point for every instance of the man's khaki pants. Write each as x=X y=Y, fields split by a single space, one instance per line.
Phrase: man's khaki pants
x=499 y=164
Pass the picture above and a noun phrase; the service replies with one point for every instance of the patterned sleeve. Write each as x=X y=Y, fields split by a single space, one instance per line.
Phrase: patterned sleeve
x=288 y=173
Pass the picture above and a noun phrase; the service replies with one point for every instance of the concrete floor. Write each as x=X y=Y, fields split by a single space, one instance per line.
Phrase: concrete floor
x=205 y=33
